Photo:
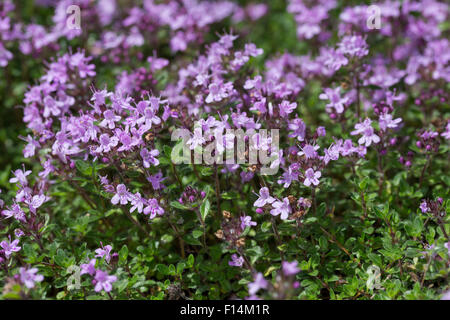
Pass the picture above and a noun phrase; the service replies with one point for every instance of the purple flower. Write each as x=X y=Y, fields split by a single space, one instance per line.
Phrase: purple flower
x=48 y=168
x=446 y=296
x=446 y=133
x=5 y=55
x=148 y=111
x=30 y=148
x=103 y=281
x=246 y=176
x=9 y=248
x=153 y=208
x=354 y=46
x=304 y=202
x=333 y=59
x=109 y=120
x=16 y=212
x=122 y=195
x=35 y=202
x=291 y=174
x=218 y=91
x=424 y=207
x=104 y=252
x=246 y=221
x=20 y=177
x=386 y=121
x=106 y=143
x=264 y=198
x=336 y=101
x=149 y=157
x=447 y=245
x=311 y=177
x=156 y=180
x=332 y=153
x=29 y=277
x=128 y=141
x=286 y=108
x=309 y=151
x=157 y=63
x=236 y=261
x=290 y=268
x=281 y=207
x=19 y=233
x=88 y=268
x=321 y=132
x=369 y=136
x=197 y=139
x=252 y=50
x=258 y=283
x=299 y=128
x=137 y=202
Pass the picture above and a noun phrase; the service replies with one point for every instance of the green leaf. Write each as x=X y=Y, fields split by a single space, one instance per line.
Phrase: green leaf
x=363 y=183
x=83 y=167
x=204 y=209
x=162 y=269
x=123 y=254
x=178 y=205
x=190 y=261
x=197 y=233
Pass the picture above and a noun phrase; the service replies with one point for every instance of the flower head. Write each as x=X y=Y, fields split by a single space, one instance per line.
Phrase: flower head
x=246 y=221
x=258 y=283
x=281 y=207
x=311 y=177
x=103 y=281
x=290 y=268
x=369 y=136
x=29 y=277
x=236 y=261
x=10 y=247
x=264 y=198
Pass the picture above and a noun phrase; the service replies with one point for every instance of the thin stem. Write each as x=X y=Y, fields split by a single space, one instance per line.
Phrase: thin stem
x=277 y=236
x=180 y=239
x=176 y=175
x=424 y=170
x=217 y=183
x=137 y=223
x=358 y=99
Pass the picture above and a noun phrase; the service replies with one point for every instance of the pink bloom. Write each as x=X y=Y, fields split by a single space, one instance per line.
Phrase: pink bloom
x=9 y=248
x=122 y=195
x=290 y=268
x=424 y=207
x=104 y=252
x=15 y=211
x=258 y=283
x=106 y=143
x=336 y=101
x=281 y=207
x=367 y=131
x=264 y=198
x=20 y=177
x=29 y=277
x=36 y=202
x=153 y=208
x=197 y=139
x=247 y=222
x=309 y=151
x=149 y=157
x=386 y=121
x=236 y=261
x=88 y=268
x=103 y=281
x=311 y=177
